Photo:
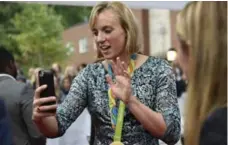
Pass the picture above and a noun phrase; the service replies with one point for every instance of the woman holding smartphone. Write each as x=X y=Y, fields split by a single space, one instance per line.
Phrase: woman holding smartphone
x=131 y=97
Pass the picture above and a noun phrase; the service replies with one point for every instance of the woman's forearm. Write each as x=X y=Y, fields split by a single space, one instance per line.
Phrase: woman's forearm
x=48 y=126
x=151 y=120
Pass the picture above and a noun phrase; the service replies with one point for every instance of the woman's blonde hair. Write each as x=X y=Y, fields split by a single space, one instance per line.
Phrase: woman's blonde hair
x=202 y=28
x=127 y=21
x=70 y=71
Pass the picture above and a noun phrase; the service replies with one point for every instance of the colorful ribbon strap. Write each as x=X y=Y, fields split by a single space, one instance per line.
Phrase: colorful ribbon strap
x=117 y=115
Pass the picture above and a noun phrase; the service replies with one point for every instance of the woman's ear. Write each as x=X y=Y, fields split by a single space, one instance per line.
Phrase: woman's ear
x=185 y=46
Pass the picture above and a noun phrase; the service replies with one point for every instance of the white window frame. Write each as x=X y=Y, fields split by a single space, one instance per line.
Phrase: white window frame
x=83 y=45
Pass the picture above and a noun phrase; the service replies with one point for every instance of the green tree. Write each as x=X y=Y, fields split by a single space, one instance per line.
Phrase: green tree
x=72 y=15
x=34 y=32
x=40 y=37
x=8 y=11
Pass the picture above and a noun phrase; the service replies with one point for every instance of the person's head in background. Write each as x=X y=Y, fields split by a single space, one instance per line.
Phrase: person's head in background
x=70 y=71
x=31 y=75
x=202 y=54
x=57 y=68
x=67 y=80
x=56 y=81
x=56 y=84
x=7 y=63
x=35 y=76
x=81 y=66
x=115 y=30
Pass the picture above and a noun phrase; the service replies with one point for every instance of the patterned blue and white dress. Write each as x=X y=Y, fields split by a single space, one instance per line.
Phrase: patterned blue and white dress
x=154 y=85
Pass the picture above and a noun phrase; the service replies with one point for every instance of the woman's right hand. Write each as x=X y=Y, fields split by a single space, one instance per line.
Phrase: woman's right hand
x=42 y=111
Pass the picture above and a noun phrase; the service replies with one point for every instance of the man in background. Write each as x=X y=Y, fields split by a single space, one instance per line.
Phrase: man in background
x=5 y=131
x=18 y=98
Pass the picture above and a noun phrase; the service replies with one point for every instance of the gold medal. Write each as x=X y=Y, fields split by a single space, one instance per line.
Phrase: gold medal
x=116 y=143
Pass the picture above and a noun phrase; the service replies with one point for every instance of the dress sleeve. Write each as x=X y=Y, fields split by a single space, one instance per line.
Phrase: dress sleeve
x=74 y=103
x=166 y=103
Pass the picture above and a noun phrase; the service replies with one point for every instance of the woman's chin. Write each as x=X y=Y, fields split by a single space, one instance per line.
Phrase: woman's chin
x=109 y=56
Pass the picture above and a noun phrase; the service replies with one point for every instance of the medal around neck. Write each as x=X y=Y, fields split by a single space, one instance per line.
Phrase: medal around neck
x=117 y=115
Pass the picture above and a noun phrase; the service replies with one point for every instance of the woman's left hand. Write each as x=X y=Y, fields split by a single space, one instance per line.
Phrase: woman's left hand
x=121 y=86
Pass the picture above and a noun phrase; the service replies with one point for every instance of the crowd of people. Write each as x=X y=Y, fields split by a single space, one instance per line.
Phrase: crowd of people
x=62 y=80
x=132 y=98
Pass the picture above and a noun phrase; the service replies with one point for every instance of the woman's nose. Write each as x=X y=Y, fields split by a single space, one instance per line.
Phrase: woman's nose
x=100 y=38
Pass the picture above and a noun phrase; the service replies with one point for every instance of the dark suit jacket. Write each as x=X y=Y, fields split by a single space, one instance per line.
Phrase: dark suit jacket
x=18 y=98
x=5 y=132
x=214 y=130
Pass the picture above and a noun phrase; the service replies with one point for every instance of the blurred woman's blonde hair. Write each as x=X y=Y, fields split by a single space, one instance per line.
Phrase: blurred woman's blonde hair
x=202 y=28
x=70 y=71
x=127 y=21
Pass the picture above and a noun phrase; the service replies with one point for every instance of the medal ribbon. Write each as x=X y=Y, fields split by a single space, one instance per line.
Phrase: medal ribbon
x=117 y=114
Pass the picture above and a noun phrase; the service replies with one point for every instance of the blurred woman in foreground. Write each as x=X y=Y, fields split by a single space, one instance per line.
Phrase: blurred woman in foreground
x=202 y=54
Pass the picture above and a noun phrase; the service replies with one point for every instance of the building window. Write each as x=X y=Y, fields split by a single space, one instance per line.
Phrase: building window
x=70 y=48
x=83 y=45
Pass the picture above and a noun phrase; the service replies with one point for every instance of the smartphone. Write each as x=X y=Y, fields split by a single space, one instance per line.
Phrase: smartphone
x=46 y=77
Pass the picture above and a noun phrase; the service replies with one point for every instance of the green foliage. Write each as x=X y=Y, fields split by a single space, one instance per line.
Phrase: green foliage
x=33 y=32
x=7 y=11
x=40 y=35
x=72 y=15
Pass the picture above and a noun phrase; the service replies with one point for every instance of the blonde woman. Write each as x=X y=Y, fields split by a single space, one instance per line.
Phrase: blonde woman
x=138 y=107
x=202 y=54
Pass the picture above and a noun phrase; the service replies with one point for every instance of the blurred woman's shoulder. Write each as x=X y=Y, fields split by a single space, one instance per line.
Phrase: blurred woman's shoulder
x=214 y=130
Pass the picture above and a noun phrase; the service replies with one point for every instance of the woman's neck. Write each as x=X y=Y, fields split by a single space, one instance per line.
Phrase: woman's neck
x=140 y=60
x=123 y=58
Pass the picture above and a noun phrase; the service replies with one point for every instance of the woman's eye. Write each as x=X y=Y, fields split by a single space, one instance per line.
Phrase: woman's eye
x=108 y=31
x=95 y=33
